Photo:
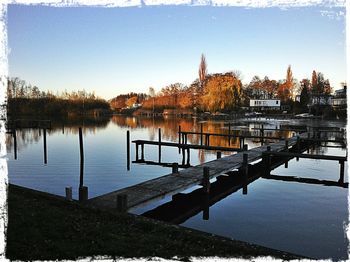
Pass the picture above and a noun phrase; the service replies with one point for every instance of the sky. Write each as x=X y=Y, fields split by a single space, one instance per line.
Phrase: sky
x=112 y=51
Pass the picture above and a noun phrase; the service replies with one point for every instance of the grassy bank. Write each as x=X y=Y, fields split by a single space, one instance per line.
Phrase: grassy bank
x=41 y=226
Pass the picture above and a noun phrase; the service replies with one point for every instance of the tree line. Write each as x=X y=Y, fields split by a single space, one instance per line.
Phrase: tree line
x=225 y=92
x=26 y=100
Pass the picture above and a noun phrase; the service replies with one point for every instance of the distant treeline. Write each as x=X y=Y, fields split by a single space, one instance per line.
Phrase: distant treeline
x=26 y=100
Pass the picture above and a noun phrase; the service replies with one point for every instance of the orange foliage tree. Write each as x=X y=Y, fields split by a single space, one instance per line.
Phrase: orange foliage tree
x=222 y=92
x=285 y=90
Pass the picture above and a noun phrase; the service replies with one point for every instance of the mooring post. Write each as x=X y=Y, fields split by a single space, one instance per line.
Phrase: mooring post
x=159 y=148
x=245 y=147
x=69 y=193
x=175 y=168
x=15 y=143
x=341 y=179
x=62 y=128
x=143 y=152
x=128 y=150
x=45 y=148
x=205 y=181
x=229 y=133
x=201 y=134
x=83 y=193
x=240 y=142
x=179 y=135
x=267 y=160
x=205 y=207
x=207 y=136
x=245 y=173
x=218 y=155
x=286 y=145
x=81 y=145
x=188 y=156
x=262 y=134
x=122 y=201
x=298 y=143
x=137 y=151
x=183 y=156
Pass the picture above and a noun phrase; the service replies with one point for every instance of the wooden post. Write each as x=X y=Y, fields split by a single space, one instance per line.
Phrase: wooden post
x=341 y=179
x=159 y=148
x=122 y=202
x=245 y=147
x=183 y=156
x=286 y=145
x=143 y=152
x=262 y=134
x=175 y=168
x=128 y=150
x=298 y=144
x=45 y=148
x=267 y=161
x=137 y=151
x=62 y=128
x=218 y=155
x=69 y=193
x=180 y=134
x=205 y=181
x=205 y=207
x=207 y=138
x=83 y=193
x=188 y=156
x=201 y=134
x=15 y=143
x=229 y=134
x=240 y=142
x=245 y=173
x=81 y=145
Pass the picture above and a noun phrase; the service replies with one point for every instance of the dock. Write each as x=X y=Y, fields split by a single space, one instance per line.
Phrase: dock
x=176 y=182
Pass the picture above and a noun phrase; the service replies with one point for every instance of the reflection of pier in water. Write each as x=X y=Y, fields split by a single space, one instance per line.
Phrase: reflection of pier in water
x=184 y=206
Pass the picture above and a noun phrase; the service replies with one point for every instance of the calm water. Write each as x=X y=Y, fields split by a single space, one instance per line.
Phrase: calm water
x=302 y=218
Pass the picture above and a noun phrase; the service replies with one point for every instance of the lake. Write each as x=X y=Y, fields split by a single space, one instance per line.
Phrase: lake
x=303 y=218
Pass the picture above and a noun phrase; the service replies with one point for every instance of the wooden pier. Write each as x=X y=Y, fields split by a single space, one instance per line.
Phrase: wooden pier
x=176 y=182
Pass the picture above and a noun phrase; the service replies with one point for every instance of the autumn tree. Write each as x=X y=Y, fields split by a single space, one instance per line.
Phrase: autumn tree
x=131 y=101
x=285 y=89
x=202 y=72
x=221 y=92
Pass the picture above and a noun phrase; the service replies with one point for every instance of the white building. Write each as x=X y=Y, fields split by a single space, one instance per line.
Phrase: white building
x=265 y=104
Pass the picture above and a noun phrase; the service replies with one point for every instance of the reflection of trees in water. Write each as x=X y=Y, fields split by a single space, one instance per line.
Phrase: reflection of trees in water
x=27 y=136
x=24 y=137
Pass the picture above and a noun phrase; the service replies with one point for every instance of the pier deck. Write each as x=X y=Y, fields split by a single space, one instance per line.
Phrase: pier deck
x=176 y=182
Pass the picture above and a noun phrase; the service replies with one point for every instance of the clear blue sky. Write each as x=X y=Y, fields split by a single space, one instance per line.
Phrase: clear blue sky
x=119 y=50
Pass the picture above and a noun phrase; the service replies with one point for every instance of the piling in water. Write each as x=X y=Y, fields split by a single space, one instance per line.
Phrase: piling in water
x=69 y=193
x=83 y=193
x=159 y=147
x=15 y=143
x=218 y=154
x=45 y=148
x=128 y=150
x=122 y=201
x=81 y=145
x=205 y=181
x=201 y=134
x=175 y=168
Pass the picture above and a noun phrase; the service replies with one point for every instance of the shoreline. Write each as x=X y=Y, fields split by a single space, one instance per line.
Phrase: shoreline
x=46 y=226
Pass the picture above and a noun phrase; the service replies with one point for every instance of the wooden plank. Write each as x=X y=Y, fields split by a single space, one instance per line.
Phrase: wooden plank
x=174 y=183
x=310 y=156
x=186 y=146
